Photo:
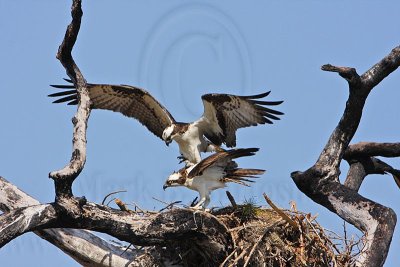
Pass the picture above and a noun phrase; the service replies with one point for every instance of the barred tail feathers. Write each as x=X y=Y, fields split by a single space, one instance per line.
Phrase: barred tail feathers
x=241 y=176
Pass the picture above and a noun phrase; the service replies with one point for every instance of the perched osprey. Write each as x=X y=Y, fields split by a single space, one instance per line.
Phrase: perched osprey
x=214 y=172
x=223 y=115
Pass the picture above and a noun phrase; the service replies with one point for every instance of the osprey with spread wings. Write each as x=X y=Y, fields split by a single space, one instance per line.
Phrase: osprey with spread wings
x=223 y=115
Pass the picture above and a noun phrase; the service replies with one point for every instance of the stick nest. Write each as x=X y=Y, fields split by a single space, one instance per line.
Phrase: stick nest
x=263 y=237
x=268 y=237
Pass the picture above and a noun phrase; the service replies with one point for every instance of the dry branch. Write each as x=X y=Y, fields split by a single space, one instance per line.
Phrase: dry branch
x=188 y=236
x=371 y=149
x=362 y=161
x=321 y=181
x=361 y=167
x=83 y=246
x=179 y=226
x=64 y=178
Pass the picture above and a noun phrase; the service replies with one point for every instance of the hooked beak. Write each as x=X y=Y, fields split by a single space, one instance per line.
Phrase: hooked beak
x=168 y=141
x=165 y=186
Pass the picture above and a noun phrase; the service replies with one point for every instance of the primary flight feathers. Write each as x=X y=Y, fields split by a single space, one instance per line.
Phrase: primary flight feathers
x=223 y=115
x=220 y=158
x=131 y=101
x=214 y=172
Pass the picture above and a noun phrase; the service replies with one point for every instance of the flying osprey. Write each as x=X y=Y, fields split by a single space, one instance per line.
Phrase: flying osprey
x=214 y=172
x=223 y=115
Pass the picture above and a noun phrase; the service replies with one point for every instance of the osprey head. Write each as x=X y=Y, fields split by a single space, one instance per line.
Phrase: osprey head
x=175 y=179
x=169 y=134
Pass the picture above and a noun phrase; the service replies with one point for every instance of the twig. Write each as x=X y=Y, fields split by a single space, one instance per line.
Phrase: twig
x=229 y=257
x=111 y=200
x=112 y=193
x=137 y=206
x=170 y=205
x=255 y=246
x=231 y=199
x=241 y=255
x=345 y=232
x=166 y=203
x=126 y=249
x=240 y=228
x=280 y=212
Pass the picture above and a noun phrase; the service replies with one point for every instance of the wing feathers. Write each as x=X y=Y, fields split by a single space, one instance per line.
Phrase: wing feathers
x=268 y=110
x=240 y=176
x=62 y=86
x=75 y=102
x=220 y=157
x=227 y=113
x=256 y=96
x=130 y=101
x=231 y=172
x=268 y=103
x=65 y=99
x=69 y=92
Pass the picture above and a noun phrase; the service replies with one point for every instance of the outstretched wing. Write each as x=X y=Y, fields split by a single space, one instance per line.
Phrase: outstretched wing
x=227 y=113
x=131 y=101
x=224 y=157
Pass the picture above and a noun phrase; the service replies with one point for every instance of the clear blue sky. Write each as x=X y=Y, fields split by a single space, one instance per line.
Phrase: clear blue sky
x=179 y=50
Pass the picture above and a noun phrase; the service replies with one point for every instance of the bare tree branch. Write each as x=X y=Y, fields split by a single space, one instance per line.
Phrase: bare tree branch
x=188 y=228
x=371 y=149
x=361 y=167
x=321 y=181
x=64 y=178
x=198 y=231
x=83 y=246
x=203 y=230
x=362 y=161
x=19 y=221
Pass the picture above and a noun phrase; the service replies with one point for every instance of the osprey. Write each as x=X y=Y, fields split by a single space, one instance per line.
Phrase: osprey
x=223 y=115
x=214 y=172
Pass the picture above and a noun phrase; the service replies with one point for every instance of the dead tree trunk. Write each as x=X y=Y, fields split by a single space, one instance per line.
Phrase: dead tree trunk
x=202 y=236
x=321 y=181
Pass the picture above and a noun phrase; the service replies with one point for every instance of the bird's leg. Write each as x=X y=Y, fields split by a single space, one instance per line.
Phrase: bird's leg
x=207 y=201
x=206 y=204
x=199 y=204
x=203 y=203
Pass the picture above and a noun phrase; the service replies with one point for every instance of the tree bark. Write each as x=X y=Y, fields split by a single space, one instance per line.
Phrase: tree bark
x=321 y=181
x=83 y=246
x=186 y=227
x=201 y=234
x=64 y=178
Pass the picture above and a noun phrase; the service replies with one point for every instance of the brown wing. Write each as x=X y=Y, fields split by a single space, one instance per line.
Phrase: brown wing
x=220 y=157
x=131 y=101
x=227 y=113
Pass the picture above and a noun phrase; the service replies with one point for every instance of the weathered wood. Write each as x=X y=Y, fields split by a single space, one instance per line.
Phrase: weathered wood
x=183 y=226
x=19 y=221
x=372 y=149
x=83 y=246
x=321 y=181
x=64 y=178
x=363 y=166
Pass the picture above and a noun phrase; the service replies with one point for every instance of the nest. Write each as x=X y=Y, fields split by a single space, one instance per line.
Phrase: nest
x=272 y=237
x=263 y=237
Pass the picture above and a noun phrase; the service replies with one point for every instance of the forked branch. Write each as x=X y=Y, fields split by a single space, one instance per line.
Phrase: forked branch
x=83 y=246
x=321 y=181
